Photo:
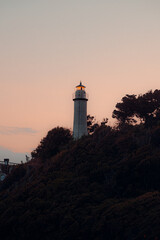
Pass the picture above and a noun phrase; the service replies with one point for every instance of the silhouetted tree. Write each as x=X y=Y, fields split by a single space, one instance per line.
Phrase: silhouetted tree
x=50 y=145
x=104 y=121
x=138 y=109
x=91 y=124
x=124 y=112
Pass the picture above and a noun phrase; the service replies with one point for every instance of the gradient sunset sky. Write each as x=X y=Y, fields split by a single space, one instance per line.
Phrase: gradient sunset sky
x=48 y=46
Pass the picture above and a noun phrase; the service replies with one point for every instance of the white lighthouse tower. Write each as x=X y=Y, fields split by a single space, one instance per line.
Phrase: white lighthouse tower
x=80 y=112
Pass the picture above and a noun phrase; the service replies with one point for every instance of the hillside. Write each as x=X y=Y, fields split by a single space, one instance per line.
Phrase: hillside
x=104 y=186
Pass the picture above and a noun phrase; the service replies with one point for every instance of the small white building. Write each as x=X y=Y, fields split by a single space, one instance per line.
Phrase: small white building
x=80 y=112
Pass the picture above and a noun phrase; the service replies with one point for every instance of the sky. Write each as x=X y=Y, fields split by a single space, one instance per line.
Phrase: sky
x=48 y=46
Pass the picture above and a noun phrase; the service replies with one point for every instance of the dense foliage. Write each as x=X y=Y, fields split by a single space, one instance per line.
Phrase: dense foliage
x=92 y=124
x=53 y=143
x=103 y=186
x=143 y=108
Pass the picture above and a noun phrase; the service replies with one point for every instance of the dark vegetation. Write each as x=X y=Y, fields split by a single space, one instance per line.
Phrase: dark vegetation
x=103 y=186
x=144 y=108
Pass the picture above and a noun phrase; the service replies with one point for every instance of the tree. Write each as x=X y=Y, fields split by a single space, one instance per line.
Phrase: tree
x=124 y=111
x=91 y=124
x=104 y=121
x=142 y=108
x=50 y=145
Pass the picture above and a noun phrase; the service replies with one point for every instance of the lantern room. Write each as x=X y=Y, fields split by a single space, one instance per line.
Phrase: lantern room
x=80 y=87
x=80 y=93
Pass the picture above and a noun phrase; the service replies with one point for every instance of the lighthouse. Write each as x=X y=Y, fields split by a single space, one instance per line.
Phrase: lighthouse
x=80 y=112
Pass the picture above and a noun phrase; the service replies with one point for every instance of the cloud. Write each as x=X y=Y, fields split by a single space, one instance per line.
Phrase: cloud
x=13 y=156
x=16 y=130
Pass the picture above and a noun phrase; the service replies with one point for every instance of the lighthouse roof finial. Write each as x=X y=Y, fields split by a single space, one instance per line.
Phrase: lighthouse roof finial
x=80 y=85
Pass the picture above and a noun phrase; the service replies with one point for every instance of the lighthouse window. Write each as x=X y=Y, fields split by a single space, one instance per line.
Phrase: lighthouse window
x=79 y=88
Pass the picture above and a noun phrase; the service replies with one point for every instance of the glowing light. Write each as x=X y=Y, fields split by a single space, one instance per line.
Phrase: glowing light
x=80 y=88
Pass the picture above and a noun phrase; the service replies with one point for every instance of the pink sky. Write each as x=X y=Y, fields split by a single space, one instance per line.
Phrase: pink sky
x=47 y=47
